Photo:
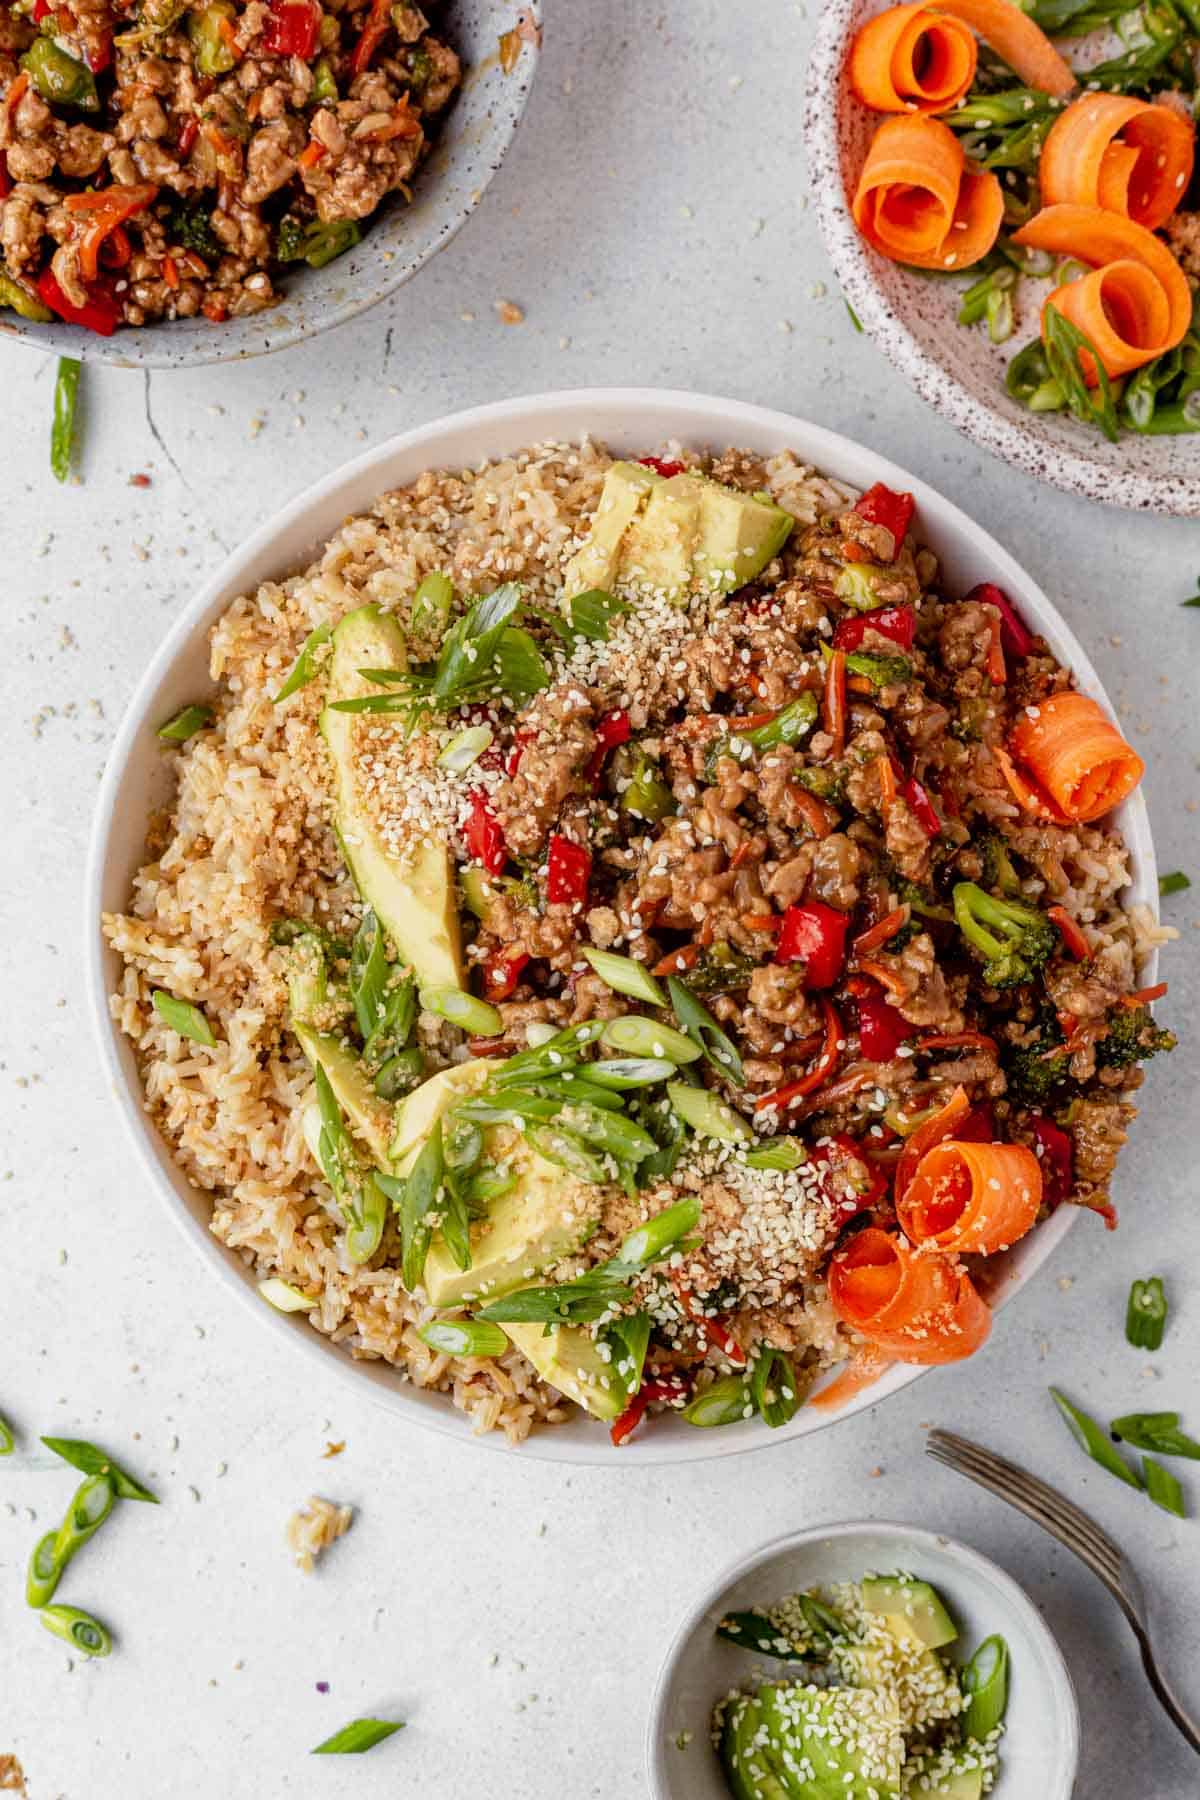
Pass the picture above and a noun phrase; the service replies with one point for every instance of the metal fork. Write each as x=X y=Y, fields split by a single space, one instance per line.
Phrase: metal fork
x=1081 y=1535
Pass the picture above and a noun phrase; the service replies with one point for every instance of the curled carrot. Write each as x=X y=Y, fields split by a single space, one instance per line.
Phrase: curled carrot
x=911 y=59
x=916 y=1307
x=1124 y=154
x=940 y=1125
x=918 y=203
x=1099 y=237
x=1122 y=309
x=1077 y=755
x=1017 y=41
x=1026 y=795
x=971 y=1198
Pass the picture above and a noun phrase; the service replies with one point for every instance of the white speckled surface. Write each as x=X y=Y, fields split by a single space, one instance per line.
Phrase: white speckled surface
x=666 y=239
x=913 y=319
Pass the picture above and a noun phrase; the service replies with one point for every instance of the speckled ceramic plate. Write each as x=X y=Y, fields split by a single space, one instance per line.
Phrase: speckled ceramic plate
x=137 y=782
x=470 y=146
x=912 y=319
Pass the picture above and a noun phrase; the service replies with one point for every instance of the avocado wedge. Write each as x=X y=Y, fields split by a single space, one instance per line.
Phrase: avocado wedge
x=569 y=1359
x=416 y=900
x=917 y=1605
x=743 y=1756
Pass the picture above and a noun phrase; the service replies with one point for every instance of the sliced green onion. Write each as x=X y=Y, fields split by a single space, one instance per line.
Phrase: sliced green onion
x=1146 y=1314
x=708 y=1114
x=1163 y=1488
x=650 y=1242
x=625 y=976
x=284 y=1297
x=183 y=1017
x=305 y=665
x=94 y=1499
x=1089 y=1436
x=466 y=748
x=551 y=1057
x=66 y=391
x=473 y=1016
x=1000 y=320
x=985 y=1688
x=569 y=1152
x=609 y=1131
x=719 y=1051
x=8 y=1442
x=364 y=1231
x=724 y=1403
x=1174 y=883
x=185 y=724
x=464 y=1337
x=774 y=1388
x=1070 y=269
x=622 y=1072
x=400 y=1074
x=44 y=1571
x=368 y=973
x=592 y=612
x=77 y=1628
x=779 y=1153
x=89 y=1459
x=635 y=1035
x=431 y=604
x=420 y=1204
x=1157 y=1431
x=539 y=1032
x=359 y=1735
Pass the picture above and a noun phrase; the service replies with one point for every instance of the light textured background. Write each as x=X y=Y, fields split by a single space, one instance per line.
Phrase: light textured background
x=652 y=221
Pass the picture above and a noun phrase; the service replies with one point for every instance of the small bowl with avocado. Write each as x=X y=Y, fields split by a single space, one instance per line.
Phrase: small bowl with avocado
x=863 y=1660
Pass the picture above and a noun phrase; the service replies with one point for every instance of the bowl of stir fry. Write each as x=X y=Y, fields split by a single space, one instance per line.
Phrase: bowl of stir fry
x=194 y=183
x=624 y=923
x=1007 y=196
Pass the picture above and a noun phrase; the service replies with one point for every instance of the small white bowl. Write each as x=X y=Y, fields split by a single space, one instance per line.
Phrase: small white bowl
x=1040 y=1747
x=136 y=783
x=912 y=318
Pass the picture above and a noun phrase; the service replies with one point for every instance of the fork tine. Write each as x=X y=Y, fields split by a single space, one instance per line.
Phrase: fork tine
x=1051 y=1509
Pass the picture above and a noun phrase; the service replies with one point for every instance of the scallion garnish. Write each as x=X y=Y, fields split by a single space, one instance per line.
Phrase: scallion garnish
x=784 y=1153
x=421 y=1204
x=1089 y=1436
x=77 y=1628
x=185 y=724
x=462 y=1009
x=1157 y=1431
x=464 y=1337
x=284 y=1297
x=635 y=1035
x=94 y=1499
x=8 y=1442
x=305 y=665
x=774 y=1388
x=726 y=1401
x=1146 y=1314
x=599 y=1290
x=62 y=431
x=699 y=1024
x=625 y=976
x=707 y=1114
x=359 y=1735
x=1063 y=344
x=89 y=1459
x=1163 y=1488
x=1176 y=882
x=183 y=1017
x=985 y=1688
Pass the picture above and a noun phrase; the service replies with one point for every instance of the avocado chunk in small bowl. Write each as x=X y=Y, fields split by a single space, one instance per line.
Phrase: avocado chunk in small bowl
x=764 y=1695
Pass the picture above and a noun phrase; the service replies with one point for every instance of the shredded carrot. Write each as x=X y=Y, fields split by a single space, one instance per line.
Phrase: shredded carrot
x=712 y=1328
x=1017 y=41
x=254 y=104
x=997 y=673
x=170 y=271
x=676 y=961
x=18 y=88
x=879 y=933
x=847 y=1385
x=887 y=785
x=858 y=684
x=821 y=1070
x=311 y=154
x=1070 y=932
x=813 y=812
x=1122 y=309
x=106 y=208
x=740 y=854
x=229 y=36
x=1077 y=755
x=887 y=978
x=835 y=701
x=956 y=1040
x=1144 y=996
x=214 y=309
x=760 y=922
x=752 y=722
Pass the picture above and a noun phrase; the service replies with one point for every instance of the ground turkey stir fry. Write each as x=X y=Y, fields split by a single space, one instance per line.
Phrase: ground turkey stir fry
x=159 y=160
x=759 y=918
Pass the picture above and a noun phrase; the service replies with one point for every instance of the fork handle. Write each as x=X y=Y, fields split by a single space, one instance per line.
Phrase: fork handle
x=1158 y=1682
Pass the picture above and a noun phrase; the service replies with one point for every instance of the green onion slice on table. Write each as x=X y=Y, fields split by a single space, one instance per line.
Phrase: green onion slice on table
x=66 y=397
x=1092 y=1438
x=90 y=1459
x=359 y=1735
x=1146 y=1314
x=1157 y=1431
x=8 y=1442
x=77 y=1628
x=1163 y=1488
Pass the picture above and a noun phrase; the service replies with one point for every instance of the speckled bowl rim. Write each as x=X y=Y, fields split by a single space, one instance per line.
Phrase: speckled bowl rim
x=629 y=419
x=187 y=345
x=914 y=1544
x=854 y=264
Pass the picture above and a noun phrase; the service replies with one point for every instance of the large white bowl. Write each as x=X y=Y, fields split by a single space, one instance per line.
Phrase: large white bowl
x=912 y=318
x=1040 y=1748
x=137 y=781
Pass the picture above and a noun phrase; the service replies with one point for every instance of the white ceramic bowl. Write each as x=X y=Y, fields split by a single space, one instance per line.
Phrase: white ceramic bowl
x=470 y=145
x=136 y=782
x=1040 y=1747
x=911 y=317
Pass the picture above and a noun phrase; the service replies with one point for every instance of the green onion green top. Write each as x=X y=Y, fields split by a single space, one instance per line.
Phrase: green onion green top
x=1163 y=1488
x=1146 y=1314
x=183 y=1017
x=1174 y=883
x=185 y=724
x=359 y=1735
x=91 y=1460
x=1090 y=1437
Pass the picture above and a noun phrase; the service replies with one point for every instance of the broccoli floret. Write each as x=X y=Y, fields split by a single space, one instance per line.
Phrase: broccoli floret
x=1132 y=1037
x=191 y=228
x=1020 y=940
x=998 y=870
x=1033 y=1074
x=921 y=902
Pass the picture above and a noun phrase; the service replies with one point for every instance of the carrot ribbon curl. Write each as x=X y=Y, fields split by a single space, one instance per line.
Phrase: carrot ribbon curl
x=918 y=203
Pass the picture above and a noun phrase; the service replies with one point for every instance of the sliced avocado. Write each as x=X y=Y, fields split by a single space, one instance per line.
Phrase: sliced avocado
x=595 y=565
x=570 y=1360
x=416 y=901
x=419 y=1111
x=738 y=536
x=742 y=1756
x=832 y=1743
x=546 y=1216
x=369 y=1117
x=917 y=1604
x=659 y=547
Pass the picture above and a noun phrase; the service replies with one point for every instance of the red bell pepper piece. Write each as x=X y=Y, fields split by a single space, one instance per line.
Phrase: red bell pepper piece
x=568 y=871
x=189 y=131
x=883 y=506
x=41 y=10
x=834 y=1153
x=292 y=28
x=374 y=32
x=1074 y=939
x=101 y=57
x=979 y=1126
x=1055 y=1152
x=671 y=1387
x=896 y=622
x=101 y=312
x=665 y=469
x=814 y=934
x=881 y=1028
x=501 y=974
x=483 y=835
x=922 y=807
x=612 y=729
x=1016 y=637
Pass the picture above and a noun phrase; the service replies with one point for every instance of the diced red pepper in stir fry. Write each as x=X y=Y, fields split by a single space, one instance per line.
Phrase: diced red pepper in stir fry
x=881 y=1028
x=883 y=506
x=483 y=835
x=665 y=469
x=1055 y=1153
x=501 y=975
x=1015 y=636
x=921 y=806
x=292 y=28
x=568 y=871
x=101 y=312
x=814 y=934
x=612 y=729
x=899 y=623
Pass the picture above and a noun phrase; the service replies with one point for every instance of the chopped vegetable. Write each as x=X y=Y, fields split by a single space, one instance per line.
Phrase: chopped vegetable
x=1174 y=883
x=908 y=59
x=1089 y=1436
x=59 y=78
x=183 y=1017
x=985 y=1689
x=1163 y=1488
x=185 y=724
x=568 y=871
x=916 y=1308
x=783 y=1153
x=358 y=1736
x=1132 y=1037
x=708 y=1115
x=636 y=1035
x=8 y=1442
x=284 y=1297
x=727 y=1400
x=305 y=666
x=77 y=1628
x=625 y=976
x=697 y=1022
x=918 y=203
x=464 y=1337
x=462 y=1009
x=1158 y=1431
x=89 y=1459
x=93 y=1501
x=483 y=834
x=774 y=1386
x=1014 y=941
x=594 y=1293
x=971 y=1199
x=62 y=432
x=881 y=505
x=1146 y=1314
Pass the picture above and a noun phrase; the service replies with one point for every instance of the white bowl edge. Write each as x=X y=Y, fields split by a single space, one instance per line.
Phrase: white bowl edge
x=632 y=419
